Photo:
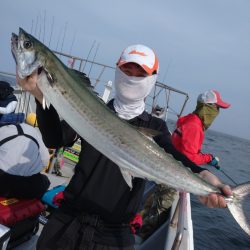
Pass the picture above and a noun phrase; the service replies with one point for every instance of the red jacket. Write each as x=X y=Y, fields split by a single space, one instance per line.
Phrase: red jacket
x=188 y=139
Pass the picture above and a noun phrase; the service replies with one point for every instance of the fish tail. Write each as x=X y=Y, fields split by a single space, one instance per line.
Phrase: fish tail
x=236 y=205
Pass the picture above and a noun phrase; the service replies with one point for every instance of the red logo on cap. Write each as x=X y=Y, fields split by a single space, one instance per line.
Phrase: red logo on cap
x=137 y=52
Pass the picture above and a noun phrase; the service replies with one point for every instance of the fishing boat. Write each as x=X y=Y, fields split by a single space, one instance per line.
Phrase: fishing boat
x=176 y=232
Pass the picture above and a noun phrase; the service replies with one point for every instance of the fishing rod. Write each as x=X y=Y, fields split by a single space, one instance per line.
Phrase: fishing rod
x=93 y=44
x=51 y=31
x=93 y=59
x=64 y=33
x=44 y=24
x=219 y=168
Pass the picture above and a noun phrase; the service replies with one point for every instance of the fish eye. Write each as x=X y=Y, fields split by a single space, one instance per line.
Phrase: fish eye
x=27 y=44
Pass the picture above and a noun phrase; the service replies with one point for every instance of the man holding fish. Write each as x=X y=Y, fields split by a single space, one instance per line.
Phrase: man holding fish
x=104 y=194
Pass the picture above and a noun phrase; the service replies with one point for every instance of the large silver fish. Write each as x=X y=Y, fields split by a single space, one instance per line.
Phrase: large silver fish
x=115 y=138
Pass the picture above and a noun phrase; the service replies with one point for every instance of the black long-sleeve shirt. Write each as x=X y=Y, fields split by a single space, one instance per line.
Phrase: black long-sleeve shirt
x=98 y=186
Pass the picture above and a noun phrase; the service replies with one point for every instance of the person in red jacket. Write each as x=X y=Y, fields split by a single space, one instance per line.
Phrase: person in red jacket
x=188 y=136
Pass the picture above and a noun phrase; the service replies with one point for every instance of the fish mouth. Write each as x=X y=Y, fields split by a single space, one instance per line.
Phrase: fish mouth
x=15 y=48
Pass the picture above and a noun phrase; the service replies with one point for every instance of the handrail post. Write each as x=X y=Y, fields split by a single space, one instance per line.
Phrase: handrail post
x=182 y=204
x=174 y=219
x=4 y=236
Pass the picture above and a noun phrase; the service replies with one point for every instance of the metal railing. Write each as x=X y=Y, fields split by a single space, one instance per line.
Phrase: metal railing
x=100 y=74
x=180 y=232
x=179 y=220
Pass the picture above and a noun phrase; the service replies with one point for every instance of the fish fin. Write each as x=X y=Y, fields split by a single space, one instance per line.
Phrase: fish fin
x=236 y=205
x=148 y=132
x=127 y=177
x=50 y=76
x=45 y=103
x=81 y=76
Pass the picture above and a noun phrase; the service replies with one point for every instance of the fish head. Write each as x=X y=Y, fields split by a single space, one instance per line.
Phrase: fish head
x=28 y=53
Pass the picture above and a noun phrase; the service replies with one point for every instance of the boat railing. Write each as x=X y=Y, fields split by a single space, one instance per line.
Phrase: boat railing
x=26 y=102
x=180 y=210
x=171 y=100
x=4 y=237
x=180 y=232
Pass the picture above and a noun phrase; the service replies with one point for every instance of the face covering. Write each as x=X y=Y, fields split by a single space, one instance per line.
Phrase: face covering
x=207 y=113
x=130 y=94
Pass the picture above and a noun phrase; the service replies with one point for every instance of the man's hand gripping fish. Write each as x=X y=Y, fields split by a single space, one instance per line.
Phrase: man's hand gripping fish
x=113 y=137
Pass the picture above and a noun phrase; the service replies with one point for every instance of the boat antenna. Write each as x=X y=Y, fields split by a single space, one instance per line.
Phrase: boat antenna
x=40 y=25
x=44 y=18
x=36 y=26
x=59 y=36
x=73 y=41
x=93 y=44
x=52 y=29
x=94 y=58
x=64 y=33
x=167 y=70
x=32 y=22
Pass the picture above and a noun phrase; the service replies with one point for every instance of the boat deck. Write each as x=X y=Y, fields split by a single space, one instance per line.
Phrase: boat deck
x=161 y=239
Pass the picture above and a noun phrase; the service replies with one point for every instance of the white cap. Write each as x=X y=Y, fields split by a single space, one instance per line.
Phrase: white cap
x=214 y=97
x=142 y=55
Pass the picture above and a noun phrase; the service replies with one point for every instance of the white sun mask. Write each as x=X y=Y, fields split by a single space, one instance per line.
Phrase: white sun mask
x=130 y=93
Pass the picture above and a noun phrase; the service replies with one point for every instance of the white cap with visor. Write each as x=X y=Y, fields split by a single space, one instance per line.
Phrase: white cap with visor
x=141 y=55
x=213 y=97
x=131 y=91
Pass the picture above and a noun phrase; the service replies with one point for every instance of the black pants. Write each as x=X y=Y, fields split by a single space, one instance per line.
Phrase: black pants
x=67 y=233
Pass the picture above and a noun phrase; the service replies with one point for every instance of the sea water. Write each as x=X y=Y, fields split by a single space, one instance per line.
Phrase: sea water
x=216 y=228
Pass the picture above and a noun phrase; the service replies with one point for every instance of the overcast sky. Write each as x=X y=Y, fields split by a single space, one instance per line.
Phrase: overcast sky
x=201 y=44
